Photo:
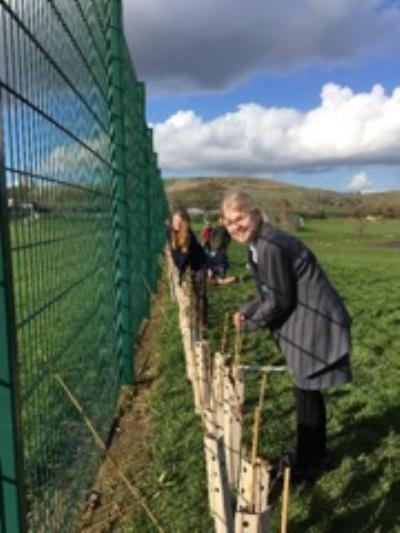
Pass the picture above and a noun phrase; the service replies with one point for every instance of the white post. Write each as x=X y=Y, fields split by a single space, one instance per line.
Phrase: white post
x=202 y=353
x=233 y=402
x=253 y=512
x=218 y=487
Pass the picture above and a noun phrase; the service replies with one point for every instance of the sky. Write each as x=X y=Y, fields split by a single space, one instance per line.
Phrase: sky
x=304 y=92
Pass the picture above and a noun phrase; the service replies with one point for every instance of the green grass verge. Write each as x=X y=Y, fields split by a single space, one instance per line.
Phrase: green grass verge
x=174 y=481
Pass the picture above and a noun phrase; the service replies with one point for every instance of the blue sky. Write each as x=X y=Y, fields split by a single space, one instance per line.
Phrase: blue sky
x=304 y=93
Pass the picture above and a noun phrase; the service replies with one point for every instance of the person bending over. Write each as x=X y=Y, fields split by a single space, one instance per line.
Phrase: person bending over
x=309 y=321
x=218 y=262
x=186 y=253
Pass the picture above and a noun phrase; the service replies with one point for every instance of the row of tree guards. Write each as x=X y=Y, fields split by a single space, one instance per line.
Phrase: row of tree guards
x=218 y=390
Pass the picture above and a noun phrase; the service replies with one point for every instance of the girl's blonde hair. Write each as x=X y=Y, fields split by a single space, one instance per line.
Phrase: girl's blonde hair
x=180 y=240
x=240 y=201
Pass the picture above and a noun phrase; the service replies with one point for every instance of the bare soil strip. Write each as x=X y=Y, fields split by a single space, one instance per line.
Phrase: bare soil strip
x=110 y=501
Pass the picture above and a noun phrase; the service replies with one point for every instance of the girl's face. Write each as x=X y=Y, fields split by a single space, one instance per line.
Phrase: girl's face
x=241 y=226
x=176 y=222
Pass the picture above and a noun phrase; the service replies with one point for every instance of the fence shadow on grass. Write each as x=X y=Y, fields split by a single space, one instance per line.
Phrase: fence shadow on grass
x=364 y=436
x=368 y=500
x=364 y=515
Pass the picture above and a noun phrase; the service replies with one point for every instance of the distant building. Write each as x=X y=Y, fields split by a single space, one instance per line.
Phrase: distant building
x=196 y=212
x=372 y=218
x=25 y=210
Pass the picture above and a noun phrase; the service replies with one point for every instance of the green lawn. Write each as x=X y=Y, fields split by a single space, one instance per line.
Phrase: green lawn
x=362 y=491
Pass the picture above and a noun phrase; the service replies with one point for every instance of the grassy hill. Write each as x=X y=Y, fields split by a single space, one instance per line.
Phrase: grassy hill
x=273 y=196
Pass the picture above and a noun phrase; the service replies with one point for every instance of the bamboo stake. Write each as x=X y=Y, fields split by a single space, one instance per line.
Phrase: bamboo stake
x=262 y=391
x=256 y=433
x=256 y=437
x=257 y=420
x=263 y=369
x=285 y=500
x=224 y=337
x=238 y=347
x=100 y=443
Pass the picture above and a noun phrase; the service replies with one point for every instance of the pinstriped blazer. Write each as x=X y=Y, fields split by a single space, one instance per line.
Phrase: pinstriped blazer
x=302 y=308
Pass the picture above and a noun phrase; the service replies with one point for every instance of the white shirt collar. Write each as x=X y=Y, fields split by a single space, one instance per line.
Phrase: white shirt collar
x=253 y=251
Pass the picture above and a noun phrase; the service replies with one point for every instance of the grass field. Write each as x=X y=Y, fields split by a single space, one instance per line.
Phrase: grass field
x=362 y=490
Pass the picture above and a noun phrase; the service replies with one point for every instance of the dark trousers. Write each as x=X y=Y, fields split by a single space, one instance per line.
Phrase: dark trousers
x=218 y=263
x=311 y=427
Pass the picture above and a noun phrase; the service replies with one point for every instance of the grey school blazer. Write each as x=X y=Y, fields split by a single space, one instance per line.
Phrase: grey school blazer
x=302 y=308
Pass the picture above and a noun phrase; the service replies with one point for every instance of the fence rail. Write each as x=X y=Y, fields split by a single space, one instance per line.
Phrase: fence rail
x=83 y=207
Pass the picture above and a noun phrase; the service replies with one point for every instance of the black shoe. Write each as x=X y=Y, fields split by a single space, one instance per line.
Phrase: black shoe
x=324 y=464
x=298 y=473
x=277 y=466
x=304 y=474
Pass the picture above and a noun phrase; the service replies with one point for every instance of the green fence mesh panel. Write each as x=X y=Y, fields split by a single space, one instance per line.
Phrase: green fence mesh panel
x=84 y=258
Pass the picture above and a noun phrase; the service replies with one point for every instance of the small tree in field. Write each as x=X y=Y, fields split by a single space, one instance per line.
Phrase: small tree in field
x=211 y=196
x=286 y=217
x=360 y=222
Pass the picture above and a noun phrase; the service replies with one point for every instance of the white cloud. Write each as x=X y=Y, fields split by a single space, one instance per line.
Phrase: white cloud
x=360 y=183
x=214 y=44
x=347 y=128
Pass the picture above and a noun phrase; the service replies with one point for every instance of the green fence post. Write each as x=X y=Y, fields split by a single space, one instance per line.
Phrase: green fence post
x=120 y=214
x=12 y=512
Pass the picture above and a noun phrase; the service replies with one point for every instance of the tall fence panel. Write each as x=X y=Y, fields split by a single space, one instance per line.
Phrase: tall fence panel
x=85 y=211
x=12 y=511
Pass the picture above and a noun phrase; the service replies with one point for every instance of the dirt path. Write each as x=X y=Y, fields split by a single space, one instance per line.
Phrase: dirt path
x=129 y=447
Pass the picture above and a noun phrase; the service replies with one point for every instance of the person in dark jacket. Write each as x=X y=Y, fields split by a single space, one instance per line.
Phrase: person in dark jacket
x=310 y=323
x=187 y=253
x=185 y=249
x=218 y=261
x=218 y=254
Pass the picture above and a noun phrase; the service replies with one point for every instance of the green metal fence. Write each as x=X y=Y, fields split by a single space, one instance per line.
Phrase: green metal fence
x=81 y=230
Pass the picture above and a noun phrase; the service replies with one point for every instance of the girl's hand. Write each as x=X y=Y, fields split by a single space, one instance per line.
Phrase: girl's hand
x=237 y=319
